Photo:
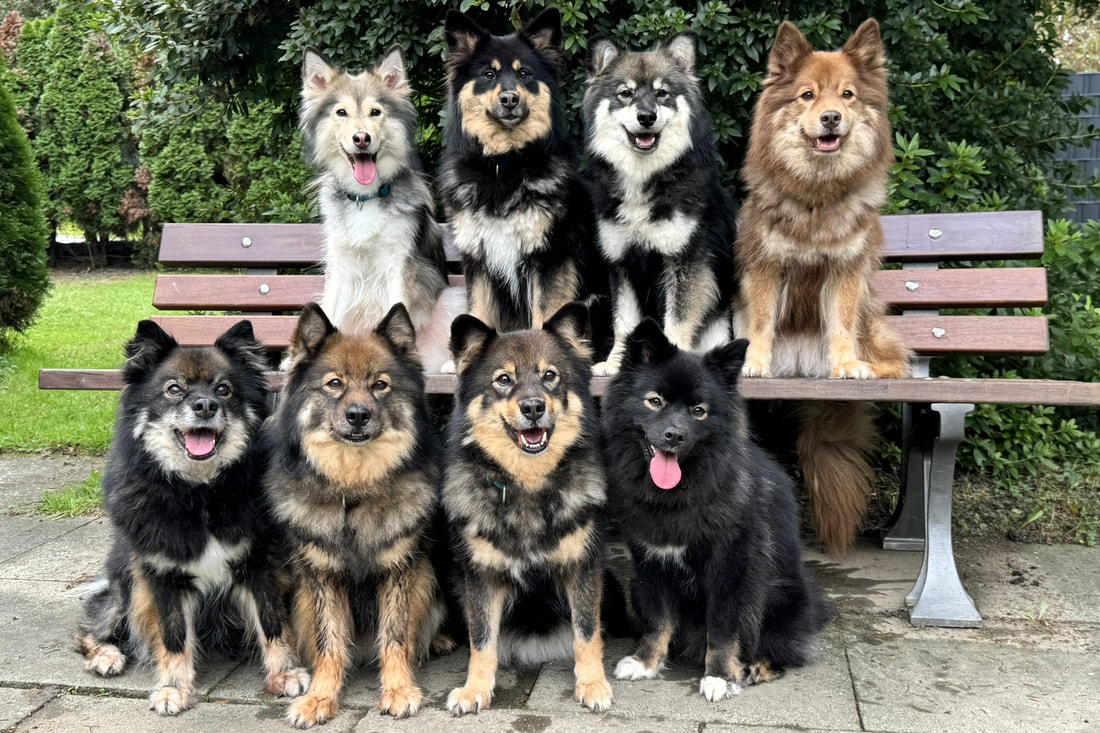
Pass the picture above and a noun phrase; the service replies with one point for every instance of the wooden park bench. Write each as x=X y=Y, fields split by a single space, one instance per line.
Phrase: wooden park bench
x=250 y=256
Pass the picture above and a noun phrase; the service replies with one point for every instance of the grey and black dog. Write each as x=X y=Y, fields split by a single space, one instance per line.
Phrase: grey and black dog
x=665 y=224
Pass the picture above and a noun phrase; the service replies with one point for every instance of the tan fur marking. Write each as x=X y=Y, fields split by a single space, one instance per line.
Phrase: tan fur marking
x=495 y=138
x=573 y=547
x=760 y=289
x=485 y=554
x=482 y=304
x=477 y=692
x=398 y=554
x=726 y=661
x=317 y=558
x=761 y=671
x=549 y=297
x=351 y=465
x=404 y=598
x=321 y=612
x=654 y=646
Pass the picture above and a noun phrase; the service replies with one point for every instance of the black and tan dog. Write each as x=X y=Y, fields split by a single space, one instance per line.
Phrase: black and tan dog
x=521 y=217
x=353 y=477
x=524 y=493
x=191 y=531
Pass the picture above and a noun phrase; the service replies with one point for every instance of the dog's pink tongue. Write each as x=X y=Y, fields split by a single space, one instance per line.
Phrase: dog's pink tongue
x=363 y=169
x=645 y=139
x=199 y=443
x=664 y=469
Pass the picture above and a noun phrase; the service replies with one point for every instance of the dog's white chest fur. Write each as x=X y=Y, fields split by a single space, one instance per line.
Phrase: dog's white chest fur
x=212 y=569
x=634 y=226
x=503 y=242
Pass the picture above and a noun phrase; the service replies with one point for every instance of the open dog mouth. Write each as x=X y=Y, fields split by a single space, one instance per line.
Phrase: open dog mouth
x=200 y=443
x=362 y=167
x=664 y=467
x=827 y=143
x=531 y=440
x=645 y=142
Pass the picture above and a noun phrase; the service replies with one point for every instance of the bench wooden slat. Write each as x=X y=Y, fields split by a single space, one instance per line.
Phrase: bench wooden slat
x=926 y=289
x=909 y=238
x=993 y=391
x=1004 y=335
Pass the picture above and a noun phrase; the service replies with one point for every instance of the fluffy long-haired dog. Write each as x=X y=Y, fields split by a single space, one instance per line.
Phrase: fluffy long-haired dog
x=191 y=529
x=665 y=224
x=524 y=493
x=710 y=519
x=521 y=217
x=809 y=239
x=353 y=479
x=382 y=244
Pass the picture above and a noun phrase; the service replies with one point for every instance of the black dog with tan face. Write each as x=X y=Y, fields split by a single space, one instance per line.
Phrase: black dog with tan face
x=525 y=495
x=353 y=477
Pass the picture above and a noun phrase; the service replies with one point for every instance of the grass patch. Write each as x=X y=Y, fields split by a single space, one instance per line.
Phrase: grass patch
x=84 y=323
x=76 y=500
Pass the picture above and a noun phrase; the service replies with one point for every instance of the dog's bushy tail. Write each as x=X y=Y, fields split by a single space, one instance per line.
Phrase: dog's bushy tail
x=834 y=441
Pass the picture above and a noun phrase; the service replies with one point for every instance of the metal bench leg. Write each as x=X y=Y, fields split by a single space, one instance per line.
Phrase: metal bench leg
x=938 y=598
x=918 y=428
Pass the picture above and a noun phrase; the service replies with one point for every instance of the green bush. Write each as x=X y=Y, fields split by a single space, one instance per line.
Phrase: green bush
x=24 y=278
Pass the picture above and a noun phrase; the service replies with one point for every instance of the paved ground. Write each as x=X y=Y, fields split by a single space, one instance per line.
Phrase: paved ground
x=1033 y=666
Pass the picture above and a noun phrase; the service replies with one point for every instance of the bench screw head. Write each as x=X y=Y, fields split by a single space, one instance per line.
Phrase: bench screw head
x=938 y=333
x=912 y=285
x=246 y=241
x=264 y=289
x=935 y=233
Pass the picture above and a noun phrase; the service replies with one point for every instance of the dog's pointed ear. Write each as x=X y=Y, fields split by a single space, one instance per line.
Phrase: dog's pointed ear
x=469 y=337
x=150 y=345
x=310 y=334
x=682 y=50
x=240 y=343
x=463 y=35
x=544 y=34
x=392 y=71
x=864 y=47
x=570 y=324
x=647 y=344
x=727 y=360
x=601 y=54
x=397 y=328
x=317 y=74
x=788 y=52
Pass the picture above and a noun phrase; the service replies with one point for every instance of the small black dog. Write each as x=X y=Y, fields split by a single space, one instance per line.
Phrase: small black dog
x=181 y=488
x=710 y=519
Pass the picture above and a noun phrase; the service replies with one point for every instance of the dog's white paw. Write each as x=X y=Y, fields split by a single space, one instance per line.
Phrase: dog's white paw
x=853 y=369
x=288 y=683
x=605 y=369
x=464 y=700
x=447 y=367
x=755 y=368
x=107 y=662
x=632 y=668
x=171 y=700
x=716 y=688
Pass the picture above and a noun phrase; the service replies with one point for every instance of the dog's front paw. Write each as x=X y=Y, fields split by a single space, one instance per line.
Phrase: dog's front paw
x=853 y=369
x=447 y=367
x=464 y=700
x=442 y=644
x=632 y=668
x=288 y=683
x=762 y=671
x=311 y=710
x=605 y=369
x=716 y=688
x=596 y=695
x=171 y=700
x=755 y=368
x=400 y=702
x=107 y=662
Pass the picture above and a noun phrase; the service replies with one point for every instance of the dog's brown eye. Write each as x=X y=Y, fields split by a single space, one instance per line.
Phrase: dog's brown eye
x=223 y=390
x=699 y=411
x=808 y=96
x=375 y=112
x=549 y=376
x=490 y=74
x=380 y=386
x=655 y=401
x=173 y=390
x=335 y=383
x=662 y=93
x=848 y=94
x=341 y=112
x=626 y=93
x=524 y=74
x=503 y=380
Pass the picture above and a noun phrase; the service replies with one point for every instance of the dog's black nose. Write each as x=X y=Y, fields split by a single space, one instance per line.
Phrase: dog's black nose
x=830 y=118
x=674 y=437
x=361 y=140
x=509 y=100
x=205 y=407
x=357 y=416
x=532 y=409
x=646 y=117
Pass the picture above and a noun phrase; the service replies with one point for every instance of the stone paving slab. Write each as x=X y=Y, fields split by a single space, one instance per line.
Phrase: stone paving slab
x=69 y=713
x=23 y=534
x=866 y=579
x=1075 y=573
x=17 y=704
x=73 y=557
x=23 y=478
x=931 y=685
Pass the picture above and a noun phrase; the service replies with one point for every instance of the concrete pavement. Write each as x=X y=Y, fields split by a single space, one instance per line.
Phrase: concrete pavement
x=1033 y=666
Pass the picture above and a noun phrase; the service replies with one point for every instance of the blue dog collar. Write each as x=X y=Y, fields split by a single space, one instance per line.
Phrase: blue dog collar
x=362 y=198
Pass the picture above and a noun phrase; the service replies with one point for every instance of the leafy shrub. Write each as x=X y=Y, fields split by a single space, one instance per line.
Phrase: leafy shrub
x=24 y=277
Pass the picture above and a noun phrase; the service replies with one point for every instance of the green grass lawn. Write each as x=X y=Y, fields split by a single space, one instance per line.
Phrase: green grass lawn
x=84 y=323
